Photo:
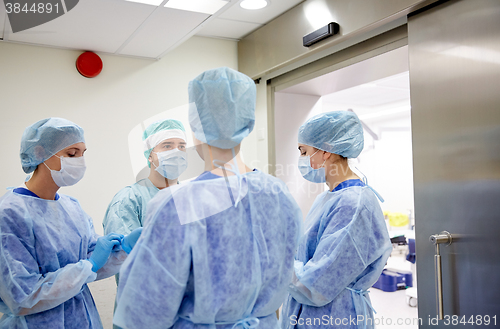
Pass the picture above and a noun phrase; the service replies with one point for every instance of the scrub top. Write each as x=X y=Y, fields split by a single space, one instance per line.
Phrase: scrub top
x=128 y=208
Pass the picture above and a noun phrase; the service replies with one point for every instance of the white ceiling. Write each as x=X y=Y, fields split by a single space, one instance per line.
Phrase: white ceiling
x=383 y=99
x=389 y=90
x=374 y=87
x=375 y=68
x=133 y=29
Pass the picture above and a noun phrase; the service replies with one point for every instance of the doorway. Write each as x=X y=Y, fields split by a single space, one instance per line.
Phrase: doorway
x=378 y=91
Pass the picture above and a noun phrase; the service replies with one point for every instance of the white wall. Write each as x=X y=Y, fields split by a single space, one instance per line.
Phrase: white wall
x=387 y=162
x=389 y=165
x=254 y=148
x=290 y=112
x=37 y=82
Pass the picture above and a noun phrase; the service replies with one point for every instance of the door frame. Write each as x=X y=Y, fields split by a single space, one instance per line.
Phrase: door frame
x=380 y=44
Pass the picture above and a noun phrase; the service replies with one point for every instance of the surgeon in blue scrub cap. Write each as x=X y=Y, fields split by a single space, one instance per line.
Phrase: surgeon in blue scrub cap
x=165 y=150
x=346 y=243
x=222 y=110
x=49 y=250
x=216 y=252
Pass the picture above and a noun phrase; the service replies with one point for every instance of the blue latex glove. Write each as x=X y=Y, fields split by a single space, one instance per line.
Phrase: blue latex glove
x=129 y=241
x=103 y=248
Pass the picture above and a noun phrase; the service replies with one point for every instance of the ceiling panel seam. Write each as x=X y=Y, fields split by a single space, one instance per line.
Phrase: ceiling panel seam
x=198 y=28
x=63 y=3
x=5 y=34
x=240 y=21
x=74 y=49
x=216 y=37
x=186 y=37
x=138 y=29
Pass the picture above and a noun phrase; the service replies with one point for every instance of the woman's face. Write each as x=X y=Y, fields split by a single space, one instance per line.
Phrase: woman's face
x=317 y=159
x=167 y=145
x=76 y=150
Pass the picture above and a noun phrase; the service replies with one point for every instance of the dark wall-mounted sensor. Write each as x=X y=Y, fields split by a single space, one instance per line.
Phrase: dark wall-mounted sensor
x=321 y=34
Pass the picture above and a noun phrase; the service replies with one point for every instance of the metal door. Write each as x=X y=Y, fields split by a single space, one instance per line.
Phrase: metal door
x=454 y=54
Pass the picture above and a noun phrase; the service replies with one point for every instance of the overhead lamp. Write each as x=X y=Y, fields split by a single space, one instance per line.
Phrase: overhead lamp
x=253 y=4
x=209 y=7
x=148 y=2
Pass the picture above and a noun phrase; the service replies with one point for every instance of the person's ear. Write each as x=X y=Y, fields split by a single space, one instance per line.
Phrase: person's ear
x=326 y=155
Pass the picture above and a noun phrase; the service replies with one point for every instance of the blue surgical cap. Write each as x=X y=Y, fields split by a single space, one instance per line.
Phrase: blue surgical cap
x=222 y=107
x=338 y=132
x=158 y=131
x=45 y=138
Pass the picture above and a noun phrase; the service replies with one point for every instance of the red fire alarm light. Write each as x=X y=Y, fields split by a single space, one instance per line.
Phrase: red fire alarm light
x=89 y=64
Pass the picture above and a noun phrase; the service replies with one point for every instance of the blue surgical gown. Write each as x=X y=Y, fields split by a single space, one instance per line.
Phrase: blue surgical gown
x=341 y=255
x=44 y=269
x=202 y=261
x=128 y=207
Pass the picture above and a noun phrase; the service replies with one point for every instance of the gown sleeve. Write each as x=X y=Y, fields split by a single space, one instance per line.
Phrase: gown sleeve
x=336 y=261
x=115 y=260
x=23 y=289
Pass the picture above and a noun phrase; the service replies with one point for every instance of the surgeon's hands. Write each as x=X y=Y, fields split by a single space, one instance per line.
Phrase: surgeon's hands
x=103 y=248
x=130 y=240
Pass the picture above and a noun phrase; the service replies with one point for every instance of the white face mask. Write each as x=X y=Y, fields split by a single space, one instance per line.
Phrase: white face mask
x=171 y=164
x=72 y=171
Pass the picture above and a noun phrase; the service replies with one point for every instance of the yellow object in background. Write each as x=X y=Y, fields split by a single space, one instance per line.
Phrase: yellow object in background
x=397 y=219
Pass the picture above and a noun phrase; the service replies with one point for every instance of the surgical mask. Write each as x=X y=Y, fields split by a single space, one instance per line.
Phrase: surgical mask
x=72 y=171
x=309 y=173
x=171 y=164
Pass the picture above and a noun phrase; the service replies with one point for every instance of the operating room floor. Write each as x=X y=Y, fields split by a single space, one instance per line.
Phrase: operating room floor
x=104 y=292
x=391 y=307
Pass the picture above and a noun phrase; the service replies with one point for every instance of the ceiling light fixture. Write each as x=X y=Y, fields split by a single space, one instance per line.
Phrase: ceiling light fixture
x=253 y=4
x=148 y=2
x=209 y=7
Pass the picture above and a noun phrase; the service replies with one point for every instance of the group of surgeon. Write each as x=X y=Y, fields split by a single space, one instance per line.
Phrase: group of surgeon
x=225 y=250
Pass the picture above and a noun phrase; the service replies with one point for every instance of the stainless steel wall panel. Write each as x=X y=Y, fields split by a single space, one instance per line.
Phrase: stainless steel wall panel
x=454 y=53
x=375 y=46
x=279 y=43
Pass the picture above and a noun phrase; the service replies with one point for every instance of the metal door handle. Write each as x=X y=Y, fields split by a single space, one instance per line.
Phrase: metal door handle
x=441 y=238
